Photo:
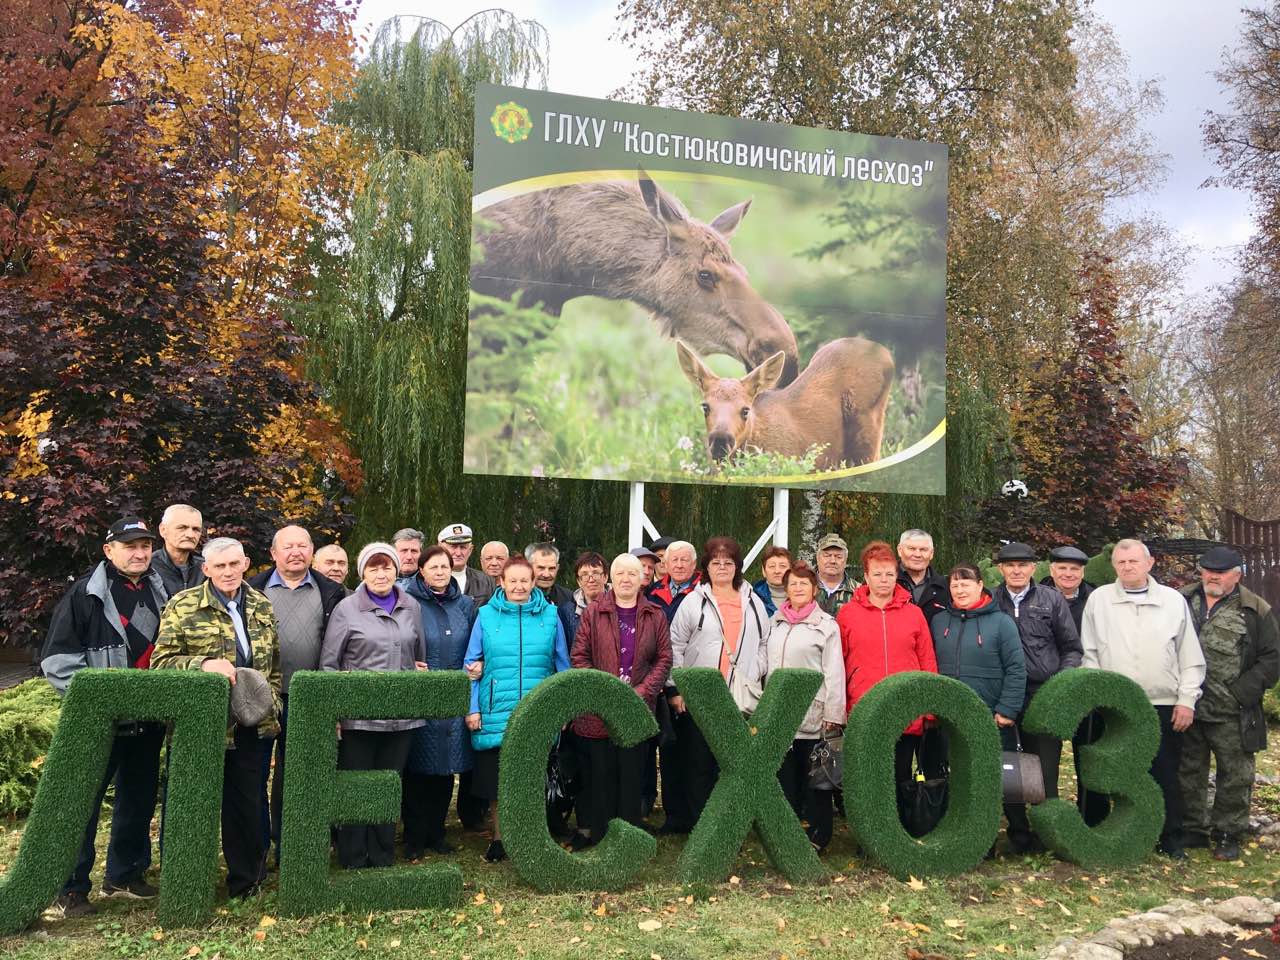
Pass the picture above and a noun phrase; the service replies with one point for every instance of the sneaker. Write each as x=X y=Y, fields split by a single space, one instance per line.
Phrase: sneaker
x=69 y=905
x=1227 y=849
x=134 y=890
x=495 y=852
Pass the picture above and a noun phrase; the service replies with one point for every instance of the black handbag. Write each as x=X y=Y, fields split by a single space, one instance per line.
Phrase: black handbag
x=922 y=800
x=826 y=762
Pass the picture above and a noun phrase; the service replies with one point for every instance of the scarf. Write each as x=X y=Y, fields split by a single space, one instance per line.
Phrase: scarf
x=793 y=615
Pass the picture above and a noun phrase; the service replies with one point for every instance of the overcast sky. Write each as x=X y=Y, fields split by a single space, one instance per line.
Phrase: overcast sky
x=1178 y=43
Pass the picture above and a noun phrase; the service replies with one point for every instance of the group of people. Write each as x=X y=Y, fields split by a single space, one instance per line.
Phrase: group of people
x=1204 y=657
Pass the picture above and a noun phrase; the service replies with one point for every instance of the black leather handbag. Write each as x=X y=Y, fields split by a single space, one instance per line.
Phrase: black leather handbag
x=826 y=762
x=922 y=799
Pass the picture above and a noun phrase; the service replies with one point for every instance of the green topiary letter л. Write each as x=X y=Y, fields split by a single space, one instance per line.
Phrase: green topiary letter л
x=748 y=792
x=196 y=704
x=317 y=794
x=522 y=812
x=1117 y=764
x=966 y=831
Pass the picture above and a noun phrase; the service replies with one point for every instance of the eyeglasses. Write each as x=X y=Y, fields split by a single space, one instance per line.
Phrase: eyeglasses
x=590 y=574
x=721 y=562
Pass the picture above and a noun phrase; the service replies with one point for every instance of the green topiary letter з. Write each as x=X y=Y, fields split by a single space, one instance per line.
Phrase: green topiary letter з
x=318 y=794
x=522 y=813
x=748 y=793
x=196 y=704
x=1118 y=764
x=966 y=831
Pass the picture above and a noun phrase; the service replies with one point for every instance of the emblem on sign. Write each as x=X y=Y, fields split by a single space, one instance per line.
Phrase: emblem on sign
x=511 y=122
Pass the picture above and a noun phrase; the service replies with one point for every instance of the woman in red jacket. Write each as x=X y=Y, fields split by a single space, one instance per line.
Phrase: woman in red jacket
x=882 y=632
x=626 y=635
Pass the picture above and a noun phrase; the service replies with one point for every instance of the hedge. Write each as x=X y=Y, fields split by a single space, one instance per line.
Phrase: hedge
x=28 y=719
x=317 y=794
x=1117 y=764
x=534 y=725
x=747 y=793
x=196 y=704
x=969 y=826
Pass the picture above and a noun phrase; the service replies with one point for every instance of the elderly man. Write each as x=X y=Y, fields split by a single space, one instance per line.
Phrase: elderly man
x=650 y=561
x=302 y=604
x=1050 y=644
x=109 y=618
x=476 y=584
x=1144 y=630
x=223 y=625
x=659 y=548
x=1238 y=635
x=179 y=563
x=492 y=557
x=835 y=585
x=331 y=561
x=1066 y=573
x=408 y=543
x=681 y=563
x=929 y=591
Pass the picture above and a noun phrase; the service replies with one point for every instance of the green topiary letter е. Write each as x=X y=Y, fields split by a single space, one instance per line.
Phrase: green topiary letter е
x=1117 y=764
x=196 y=703
x=522 y=812
x=748 y=792
x=317 y=793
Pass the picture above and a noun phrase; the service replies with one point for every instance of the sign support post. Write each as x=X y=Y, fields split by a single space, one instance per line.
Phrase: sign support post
x=638 y=522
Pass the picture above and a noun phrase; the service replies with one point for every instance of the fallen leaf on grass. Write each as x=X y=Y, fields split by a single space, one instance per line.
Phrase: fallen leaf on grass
x=573 y=940
x=648 y=926
x=953 y=923
x=915 y=884
x=267 y=921
x=602 y=910
x=193 y=952
x=1250 y=952
x=1064 y=909
x=157 y=935
x=735 y=880
x=782 y=924
x=479 y=898
x=259 y=935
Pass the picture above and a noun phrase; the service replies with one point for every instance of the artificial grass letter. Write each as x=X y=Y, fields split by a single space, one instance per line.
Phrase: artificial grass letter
x=318 y=794
x=196 y=703
x=522 y=813
x=748 y=792
x=1117 y=764
x=967 y=829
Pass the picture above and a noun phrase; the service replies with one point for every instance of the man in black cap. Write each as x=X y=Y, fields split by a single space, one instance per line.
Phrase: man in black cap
x=1050 y=643
x=1238 y=635
x=110 y=618
x=659 y=548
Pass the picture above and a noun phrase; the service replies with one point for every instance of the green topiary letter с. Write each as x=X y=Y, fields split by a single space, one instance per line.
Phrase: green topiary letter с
x=1117 y=764
x=522 y=813
x=318 y=794
x=196 y=704
x=968 y=828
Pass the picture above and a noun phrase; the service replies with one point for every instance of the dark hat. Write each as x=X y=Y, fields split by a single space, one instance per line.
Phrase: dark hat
x=251 y=700
x=1220 y=559
x=1068 y=555
x=128 y=529
x=1015 y=551
x=662 y=543
x=642 y=552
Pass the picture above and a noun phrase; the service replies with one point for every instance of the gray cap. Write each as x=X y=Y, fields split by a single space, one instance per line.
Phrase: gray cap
x=1068 y=555
x=251 y=700
x=642 y=552
x=1015 y=551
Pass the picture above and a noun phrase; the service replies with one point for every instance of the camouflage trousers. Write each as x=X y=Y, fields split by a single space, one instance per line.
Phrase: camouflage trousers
x=1234 y=779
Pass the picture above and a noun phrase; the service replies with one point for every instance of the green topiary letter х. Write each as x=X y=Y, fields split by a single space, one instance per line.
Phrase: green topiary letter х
x=522 y=813
x=318 y=794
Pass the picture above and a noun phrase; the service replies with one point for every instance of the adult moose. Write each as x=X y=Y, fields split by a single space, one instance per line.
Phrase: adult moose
x=838 y=401
x=632 y=240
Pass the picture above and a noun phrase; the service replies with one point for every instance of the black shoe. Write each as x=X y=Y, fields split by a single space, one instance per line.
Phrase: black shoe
x=1025 y=843
x=580 y=841
x=495 y=853
x=70 y=905
x=442 y=847
x=415 y=854
x=1171 y=850
x=673 y=827
x=134 y=890
x=1195 y=840
x=1227 y=849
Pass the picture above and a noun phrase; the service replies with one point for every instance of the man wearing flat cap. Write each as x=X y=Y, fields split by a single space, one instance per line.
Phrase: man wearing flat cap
x=835 y=585
x=476 y=584
x=1238 y=635
x=110 y=618
x=1066 y=572
x=1050 y=644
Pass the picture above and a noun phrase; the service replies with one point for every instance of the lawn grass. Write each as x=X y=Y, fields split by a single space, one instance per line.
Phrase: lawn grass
x=1009 y=907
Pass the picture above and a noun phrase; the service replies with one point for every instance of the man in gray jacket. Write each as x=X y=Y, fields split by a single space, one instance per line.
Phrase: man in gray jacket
x=1050 y=644
x=179 y=562
x=1144 y=630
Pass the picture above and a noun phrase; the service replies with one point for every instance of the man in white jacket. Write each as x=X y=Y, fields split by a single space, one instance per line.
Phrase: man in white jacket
x=1144 y=630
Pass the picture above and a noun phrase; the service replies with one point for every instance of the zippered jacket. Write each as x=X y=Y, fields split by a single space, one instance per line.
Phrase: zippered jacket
x=443 y=746
x=877 y=643
x=596 y=646
x=812 y=644
x=697 y=638
x=981 y=647
x=521 y=645
x=1050 y=640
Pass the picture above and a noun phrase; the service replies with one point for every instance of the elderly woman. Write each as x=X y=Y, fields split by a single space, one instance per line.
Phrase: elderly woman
x=805 y=636
x=588 y=569
x=721 y=624
x=626 y=636
x=774 y=562
x=883 y=632
x=441 y=748
x=516 y=643
x=378 y=627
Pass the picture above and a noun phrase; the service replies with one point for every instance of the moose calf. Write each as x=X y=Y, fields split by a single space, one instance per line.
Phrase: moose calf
x=838 y=400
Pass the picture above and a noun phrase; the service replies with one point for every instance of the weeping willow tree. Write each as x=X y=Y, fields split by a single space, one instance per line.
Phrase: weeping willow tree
x=386 y=306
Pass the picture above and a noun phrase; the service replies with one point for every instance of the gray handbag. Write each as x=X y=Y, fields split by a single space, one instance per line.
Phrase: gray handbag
x=1021 y=778
x=826 y=763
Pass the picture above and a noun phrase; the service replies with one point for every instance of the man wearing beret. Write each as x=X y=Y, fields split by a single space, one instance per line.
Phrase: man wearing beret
x=1050 y=644
x=1238 y=635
